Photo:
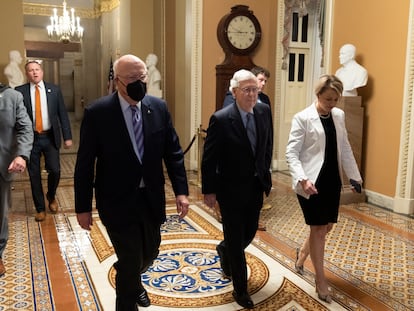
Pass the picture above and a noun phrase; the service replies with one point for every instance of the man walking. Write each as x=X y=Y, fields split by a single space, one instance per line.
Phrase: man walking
x=46 y=109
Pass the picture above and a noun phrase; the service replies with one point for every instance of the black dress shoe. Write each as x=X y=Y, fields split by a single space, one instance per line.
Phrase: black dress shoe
x=223 y=263
x=244 y=300
x=143 y=299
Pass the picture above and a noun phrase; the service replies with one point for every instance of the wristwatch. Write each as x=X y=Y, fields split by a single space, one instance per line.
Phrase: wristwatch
x=24 y=157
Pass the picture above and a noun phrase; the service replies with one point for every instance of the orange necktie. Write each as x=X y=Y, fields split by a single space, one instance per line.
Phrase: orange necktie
x=38 y=111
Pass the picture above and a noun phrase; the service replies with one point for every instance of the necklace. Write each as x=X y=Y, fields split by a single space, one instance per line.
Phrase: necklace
x=325 y=116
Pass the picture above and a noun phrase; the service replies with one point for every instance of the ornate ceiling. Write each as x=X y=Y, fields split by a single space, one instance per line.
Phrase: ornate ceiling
x=84 y=8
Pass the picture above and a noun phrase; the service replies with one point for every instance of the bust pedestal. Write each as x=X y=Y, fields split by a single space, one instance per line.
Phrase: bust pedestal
x=354 y=119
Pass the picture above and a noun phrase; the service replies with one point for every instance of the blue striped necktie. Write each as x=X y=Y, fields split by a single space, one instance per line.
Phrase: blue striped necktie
x=251 y=130
x=138 y=132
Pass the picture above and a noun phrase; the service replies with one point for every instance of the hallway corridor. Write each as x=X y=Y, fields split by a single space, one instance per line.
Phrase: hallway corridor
x=54 y=265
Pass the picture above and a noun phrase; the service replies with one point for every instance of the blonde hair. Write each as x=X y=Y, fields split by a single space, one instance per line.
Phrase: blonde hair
x=329 y=82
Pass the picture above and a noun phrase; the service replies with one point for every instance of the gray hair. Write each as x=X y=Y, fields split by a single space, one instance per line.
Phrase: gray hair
x=239 y=76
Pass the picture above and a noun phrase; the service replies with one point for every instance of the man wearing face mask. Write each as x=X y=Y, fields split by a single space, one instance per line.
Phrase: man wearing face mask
x=124 y=139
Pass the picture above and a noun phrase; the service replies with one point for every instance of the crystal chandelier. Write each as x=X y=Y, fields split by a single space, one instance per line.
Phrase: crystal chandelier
x=65 y=28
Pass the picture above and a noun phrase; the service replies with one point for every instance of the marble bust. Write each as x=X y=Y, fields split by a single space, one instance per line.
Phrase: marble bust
x=12 y=71
x=352 y=74
x=154 y=76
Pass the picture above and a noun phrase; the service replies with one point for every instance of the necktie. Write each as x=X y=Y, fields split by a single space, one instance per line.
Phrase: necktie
x=251 y=131
x=138 y=133
x=38 y=111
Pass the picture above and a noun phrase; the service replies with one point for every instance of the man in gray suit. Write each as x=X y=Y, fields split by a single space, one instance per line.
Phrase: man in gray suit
x=16 y=139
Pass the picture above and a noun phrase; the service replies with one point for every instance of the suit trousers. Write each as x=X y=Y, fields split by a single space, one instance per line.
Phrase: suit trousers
x=240 y=210
x=5 y=204
x=43 y=144
x=136 y=246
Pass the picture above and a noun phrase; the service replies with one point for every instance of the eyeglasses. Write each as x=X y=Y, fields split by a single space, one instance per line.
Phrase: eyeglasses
x=248 y=90
x=142 y=77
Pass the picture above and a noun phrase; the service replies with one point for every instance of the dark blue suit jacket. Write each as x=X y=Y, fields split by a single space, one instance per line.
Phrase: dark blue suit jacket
x=56 y=108
x=228 y=160
x=105 y=144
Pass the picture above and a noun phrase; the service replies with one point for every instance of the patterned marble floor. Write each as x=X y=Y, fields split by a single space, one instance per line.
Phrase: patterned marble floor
x=186 y=274
x=57 y=266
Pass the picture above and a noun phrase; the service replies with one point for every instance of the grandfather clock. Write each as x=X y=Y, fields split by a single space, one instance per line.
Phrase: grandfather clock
x=239 y=34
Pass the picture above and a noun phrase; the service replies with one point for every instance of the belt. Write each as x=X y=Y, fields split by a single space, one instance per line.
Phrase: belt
x=42 y=133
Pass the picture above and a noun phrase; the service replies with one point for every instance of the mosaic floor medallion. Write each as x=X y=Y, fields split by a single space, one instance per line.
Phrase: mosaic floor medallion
x=189 y=275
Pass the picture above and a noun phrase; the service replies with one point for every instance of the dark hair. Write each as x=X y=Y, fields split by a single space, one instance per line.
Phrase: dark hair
x=256 y=70
x=329 y=82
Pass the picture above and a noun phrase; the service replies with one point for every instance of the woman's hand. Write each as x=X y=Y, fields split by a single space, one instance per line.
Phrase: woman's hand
x=308 y=187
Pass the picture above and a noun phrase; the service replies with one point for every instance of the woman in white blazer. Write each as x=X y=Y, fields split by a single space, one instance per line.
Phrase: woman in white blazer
x=317 y=152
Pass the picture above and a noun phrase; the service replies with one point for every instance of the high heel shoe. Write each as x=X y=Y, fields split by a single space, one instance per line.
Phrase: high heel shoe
x=326 y=297
x=299 y=269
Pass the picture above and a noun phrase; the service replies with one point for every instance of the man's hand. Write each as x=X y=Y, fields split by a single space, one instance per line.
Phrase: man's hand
x=18 y=165
x=182 y=205
x=85 y=220
x=67 y=143
x=210 y=200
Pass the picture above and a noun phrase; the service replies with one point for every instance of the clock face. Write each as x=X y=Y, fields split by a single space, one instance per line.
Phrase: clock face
x=241 y=32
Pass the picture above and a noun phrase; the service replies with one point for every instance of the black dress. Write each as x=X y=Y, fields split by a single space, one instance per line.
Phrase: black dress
x=322 y=208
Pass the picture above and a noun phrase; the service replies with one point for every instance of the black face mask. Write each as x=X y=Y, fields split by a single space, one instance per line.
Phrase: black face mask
x=137 y=90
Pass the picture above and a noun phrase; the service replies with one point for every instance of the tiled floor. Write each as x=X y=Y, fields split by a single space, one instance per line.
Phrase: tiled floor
x=369 y=254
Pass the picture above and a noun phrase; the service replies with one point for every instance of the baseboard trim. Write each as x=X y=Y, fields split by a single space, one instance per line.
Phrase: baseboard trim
x=380 y=199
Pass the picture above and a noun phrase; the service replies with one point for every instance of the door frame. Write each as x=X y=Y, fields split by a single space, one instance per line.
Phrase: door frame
x=281 y=125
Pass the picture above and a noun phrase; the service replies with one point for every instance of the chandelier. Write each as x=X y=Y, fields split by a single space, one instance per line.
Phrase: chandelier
x=65 y=28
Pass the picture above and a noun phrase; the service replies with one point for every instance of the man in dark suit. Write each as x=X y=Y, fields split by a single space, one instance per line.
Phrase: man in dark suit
x=122 y=160
x=236 y=172
x=46 y=109
x=262 y=74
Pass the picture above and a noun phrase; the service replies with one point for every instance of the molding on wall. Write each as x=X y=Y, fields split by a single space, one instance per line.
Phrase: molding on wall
x=379 y=199
x=196 y=74
x=47 y=10
x=279 y=165
x=103 y=6
x=163 y=52
x=327 y=56
x=108 y=5
x=404 y=188
x=403 y=206
x=278 y=155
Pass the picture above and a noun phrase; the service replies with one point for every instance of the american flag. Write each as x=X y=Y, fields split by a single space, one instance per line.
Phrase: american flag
x=111 y=78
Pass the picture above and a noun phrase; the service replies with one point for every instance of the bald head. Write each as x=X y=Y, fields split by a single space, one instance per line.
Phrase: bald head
x=129 y=65
x=129 y=69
